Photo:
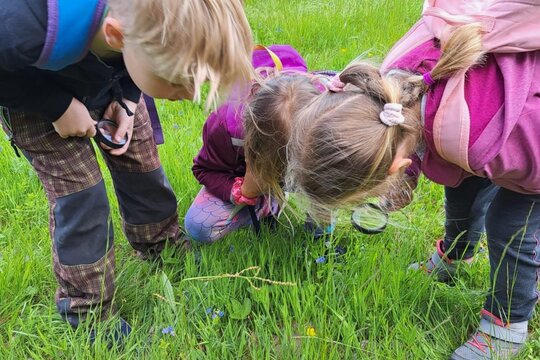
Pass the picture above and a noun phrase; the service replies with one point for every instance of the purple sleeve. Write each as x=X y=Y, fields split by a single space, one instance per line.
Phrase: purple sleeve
x=154 y=119
x=218 y=161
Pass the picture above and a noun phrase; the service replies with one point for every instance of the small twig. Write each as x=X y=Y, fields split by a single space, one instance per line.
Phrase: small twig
x=161 y=297
x=249 y=279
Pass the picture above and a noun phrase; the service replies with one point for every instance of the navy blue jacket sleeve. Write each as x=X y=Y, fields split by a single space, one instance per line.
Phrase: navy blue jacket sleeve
x=23 y=28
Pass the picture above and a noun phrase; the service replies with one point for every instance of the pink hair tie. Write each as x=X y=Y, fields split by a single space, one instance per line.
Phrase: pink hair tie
x=392 y=115
x=428 y=79
x=336 y=85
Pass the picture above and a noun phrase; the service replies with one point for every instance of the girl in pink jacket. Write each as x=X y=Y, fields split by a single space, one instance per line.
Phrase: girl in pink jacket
x=350 y=143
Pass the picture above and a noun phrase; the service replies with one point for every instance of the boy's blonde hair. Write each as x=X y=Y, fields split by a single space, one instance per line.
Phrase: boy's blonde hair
x=190 y=42
x=341 y=151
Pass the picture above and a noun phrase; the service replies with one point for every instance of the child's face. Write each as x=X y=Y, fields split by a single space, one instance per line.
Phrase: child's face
x=139 y=67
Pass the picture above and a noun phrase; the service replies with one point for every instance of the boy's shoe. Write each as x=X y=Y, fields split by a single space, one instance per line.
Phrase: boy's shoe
x=115 y=333
x=493 y=340
x=439 y=265
x=181 y=245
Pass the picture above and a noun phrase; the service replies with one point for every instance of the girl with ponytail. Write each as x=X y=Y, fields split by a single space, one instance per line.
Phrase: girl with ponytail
x=375 y=126
x=242 y=162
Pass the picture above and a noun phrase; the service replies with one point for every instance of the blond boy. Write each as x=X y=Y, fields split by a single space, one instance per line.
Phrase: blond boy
x=65 y=64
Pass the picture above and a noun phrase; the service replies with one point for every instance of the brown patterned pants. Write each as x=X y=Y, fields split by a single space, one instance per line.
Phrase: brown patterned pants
x=80 y=224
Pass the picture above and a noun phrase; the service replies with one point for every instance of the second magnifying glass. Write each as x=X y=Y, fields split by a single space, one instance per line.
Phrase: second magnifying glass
x=369 y=218
x=105 y=130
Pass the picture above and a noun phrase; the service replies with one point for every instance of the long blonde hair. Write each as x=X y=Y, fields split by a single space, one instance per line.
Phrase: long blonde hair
x=340 y=151
x=190 y=42
x=268 y=120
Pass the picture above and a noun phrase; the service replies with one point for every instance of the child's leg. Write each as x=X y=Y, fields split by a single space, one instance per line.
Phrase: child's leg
x=209 y=218
x=80 y=228
x=147 y=202
x=512 y=224
x=466 y=208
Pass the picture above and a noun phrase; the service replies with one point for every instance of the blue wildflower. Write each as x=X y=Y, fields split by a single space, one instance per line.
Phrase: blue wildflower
x=221 y=314
x=320 y=260
x=209 y=310
x=169 y=330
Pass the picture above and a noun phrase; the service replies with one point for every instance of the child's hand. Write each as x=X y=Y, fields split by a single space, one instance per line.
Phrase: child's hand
x=250 y=187
x=75 y=121
x=400 y=195
x=116 y=113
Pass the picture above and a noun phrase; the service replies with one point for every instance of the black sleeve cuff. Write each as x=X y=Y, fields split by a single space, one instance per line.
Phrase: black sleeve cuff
x=28 y=91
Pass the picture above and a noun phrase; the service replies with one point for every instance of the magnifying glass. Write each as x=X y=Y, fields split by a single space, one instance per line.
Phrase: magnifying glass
x=105 y=130
x=369 y=218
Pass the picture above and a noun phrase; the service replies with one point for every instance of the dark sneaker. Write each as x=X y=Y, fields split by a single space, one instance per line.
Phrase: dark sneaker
x=440 y=266
x=180 y=245
x=114 y=333
x=493 y=340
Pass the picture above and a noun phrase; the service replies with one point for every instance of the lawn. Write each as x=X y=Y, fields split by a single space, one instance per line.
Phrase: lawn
x=363 y=305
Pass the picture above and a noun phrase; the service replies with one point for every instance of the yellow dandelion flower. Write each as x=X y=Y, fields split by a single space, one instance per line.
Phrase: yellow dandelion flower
x=310 y=331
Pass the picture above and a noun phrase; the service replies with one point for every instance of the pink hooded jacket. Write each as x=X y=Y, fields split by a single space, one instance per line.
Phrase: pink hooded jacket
x=487 y=122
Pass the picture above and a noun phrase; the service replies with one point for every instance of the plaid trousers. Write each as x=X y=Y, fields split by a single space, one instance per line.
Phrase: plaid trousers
x=80 y=224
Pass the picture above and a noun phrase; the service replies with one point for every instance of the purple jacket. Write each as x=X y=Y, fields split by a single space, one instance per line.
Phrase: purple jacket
x=504 y=106
x=221 y=157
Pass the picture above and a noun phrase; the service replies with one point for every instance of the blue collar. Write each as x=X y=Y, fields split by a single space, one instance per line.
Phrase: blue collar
x=71 y=27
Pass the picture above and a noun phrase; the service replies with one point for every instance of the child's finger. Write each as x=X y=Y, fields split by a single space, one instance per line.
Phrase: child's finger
x=122 y=131
x=91 y=131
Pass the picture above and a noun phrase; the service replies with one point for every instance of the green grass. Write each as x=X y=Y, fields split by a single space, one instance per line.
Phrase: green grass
x=365 y=306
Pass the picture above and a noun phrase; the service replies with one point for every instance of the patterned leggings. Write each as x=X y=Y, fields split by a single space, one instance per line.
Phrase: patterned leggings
x=209 y=218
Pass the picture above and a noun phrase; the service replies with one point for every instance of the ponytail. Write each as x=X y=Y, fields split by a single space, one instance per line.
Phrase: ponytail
x=460 y=52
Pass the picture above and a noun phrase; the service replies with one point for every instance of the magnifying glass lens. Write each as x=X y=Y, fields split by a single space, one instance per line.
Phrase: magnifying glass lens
x=369 y=219
x=106 y=130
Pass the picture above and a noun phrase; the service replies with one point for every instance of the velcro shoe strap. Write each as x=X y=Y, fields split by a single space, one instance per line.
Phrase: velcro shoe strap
x=509 y=334
x=436 y=259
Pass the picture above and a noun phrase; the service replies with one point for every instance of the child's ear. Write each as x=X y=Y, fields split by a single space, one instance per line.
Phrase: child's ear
x=112 y=31
x=399 y=165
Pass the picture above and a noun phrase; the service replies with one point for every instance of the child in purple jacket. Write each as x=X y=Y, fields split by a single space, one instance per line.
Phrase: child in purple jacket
x=257 y=130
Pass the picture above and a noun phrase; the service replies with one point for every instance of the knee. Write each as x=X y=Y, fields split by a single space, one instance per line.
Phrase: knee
x=197 y=228
x=83 y=232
